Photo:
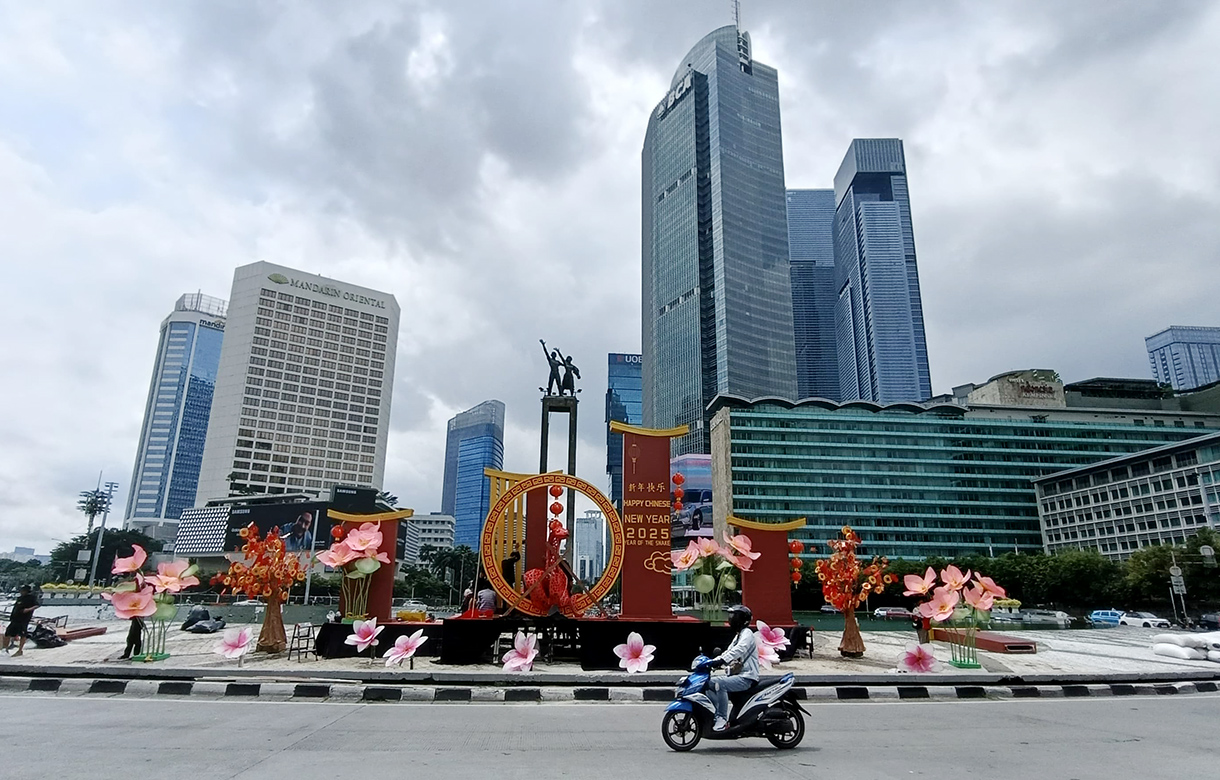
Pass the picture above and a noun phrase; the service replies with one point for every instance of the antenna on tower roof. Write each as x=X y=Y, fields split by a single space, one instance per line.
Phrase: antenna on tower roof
x=735 y=5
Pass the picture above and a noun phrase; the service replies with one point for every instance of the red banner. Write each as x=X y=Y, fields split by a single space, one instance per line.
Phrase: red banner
x=646 y=579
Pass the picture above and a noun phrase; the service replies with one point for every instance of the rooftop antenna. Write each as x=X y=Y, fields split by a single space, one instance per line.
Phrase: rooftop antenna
x=735 y=5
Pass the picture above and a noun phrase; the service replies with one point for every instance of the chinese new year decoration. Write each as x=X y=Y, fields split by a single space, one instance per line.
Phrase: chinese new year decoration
x=267 y=571
x=717 y=570
x=846 y=584
x=357 y=553
x=796 y=547
x=547 y=587
x=952 y=602
x=149 y=600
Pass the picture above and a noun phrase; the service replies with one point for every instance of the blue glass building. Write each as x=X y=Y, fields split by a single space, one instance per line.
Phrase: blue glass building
x=716 y=293
x=882 y=352
x=475 y=442
x=624 y=402
x=166 y=472
x=1185 y=357
x=811 y=250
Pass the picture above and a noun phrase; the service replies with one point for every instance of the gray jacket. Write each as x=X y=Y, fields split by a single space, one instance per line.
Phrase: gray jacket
x=743 y=654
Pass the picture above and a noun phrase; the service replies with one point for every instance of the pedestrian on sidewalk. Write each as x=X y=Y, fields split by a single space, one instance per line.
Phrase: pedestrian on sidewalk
x=135 y=639
x=19 y=621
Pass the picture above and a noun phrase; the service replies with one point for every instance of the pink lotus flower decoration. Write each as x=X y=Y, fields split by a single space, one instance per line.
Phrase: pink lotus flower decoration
x=132 y=603
x=338 y=555
x=919 y=586
x=365 y=538
x=707 y=547
x=169 y=577
x=404 y=647
x=953 y=577
x=132 y=564
x=235 y=643
x=918 y=658
x=941 y=605
x=767 y=655
x=684 y=559
x=741 y=544
x=521 y=657
x=989 y=585
x=979 y=598
x=364 y=634
x=772 y=637
x=634 y=656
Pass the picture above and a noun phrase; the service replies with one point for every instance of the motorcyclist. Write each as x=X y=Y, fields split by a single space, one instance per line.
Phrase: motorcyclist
x=742 y=660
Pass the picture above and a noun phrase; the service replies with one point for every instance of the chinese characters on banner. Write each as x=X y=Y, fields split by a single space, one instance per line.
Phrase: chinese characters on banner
x=646 y=503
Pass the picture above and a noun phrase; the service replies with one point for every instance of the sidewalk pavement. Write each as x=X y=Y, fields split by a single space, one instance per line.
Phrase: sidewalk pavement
x=1121 y=654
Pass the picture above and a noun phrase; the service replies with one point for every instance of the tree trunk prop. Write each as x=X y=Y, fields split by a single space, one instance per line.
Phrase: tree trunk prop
x=272 y=638
x=852 y=645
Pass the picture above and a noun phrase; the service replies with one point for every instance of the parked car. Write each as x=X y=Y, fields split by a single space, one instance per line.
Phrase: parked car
x=1145 y=619
x=1210 y=620
x=893 y=613
x=830 y=609
x=1105 y=617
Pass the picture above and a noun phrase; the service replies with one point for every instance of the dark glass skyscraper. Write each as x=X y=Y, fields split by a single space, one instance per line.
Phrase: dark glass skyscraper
x=1185 y=357
x=717 y=299
x=176 y=415
x=475 y=442
x=811 y=248
x=624 y=402
x=883 y=355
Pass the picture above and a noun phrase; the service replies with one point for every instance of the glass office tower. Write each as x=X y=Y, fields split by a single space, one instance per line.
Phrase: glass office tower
x=882 y=352
x=717 y=299
x=1185 y=357
x=176 y=415
x=475 y=442
x=624 y=399
x=811 y=249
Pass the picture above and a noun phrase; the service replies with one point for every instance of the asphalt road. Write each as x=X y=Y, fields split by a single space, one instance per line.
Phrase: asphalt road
x=90 y=738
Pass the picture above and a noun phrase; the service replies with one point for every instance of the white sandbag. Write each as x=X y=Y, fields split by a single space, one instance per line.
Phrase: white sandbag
x=1177 y=651
x=1213 y=655
x=1181 y=640
x=1212 y=638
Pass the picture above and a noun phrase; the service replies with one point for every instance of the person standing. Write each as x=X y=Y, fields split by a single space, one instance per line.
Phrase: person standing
x=135 y=639
x=19 y=621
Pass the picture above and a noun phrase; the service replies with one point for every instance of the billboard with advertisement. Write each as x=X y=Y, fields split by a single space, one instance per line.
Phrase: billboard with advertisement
x=297 y=524
x=695 y=519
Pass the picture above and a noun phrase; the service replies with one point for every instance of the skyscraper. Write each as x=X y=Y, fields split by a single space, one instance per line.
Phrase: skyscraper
x=1185 y=357
x=168 y=458
x=303 y=392
x=883 y=355
x=475 y=442
x=717 y=299
x=811 y=249
x=624 y=399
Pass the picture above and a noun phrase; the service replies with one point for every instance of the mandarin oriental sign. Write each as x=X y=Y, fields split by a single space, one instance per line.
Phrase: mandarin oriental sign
x=326 y=289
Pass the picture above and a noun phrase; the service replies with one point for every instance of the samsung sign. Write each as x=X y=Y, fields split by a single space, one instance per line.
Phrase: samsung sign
x=326 y=289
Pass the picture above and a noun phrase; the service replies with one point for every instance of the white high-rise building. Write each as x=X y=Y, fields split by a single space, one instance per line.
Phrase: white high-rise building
x=302 y=397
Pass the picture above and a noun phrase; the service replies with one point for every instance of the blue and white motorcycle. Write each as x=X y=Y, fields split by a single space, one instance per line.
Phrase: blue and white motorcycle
x=768 y=709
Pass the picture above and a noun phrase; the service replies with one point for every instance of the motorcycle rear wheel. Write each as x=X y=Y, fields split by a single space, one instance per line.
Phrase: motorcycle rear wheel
x=680 y=730
x=794 y=730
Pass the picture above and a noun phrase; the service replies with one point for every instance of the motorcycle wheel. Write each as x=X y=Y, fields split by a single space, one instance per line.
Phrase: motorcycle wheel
x=794 y=730
x=680 y=730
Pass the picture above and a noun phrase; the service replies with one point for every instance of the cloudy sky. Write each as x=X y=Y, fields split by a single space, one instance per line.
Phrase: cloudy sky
x=480 y=160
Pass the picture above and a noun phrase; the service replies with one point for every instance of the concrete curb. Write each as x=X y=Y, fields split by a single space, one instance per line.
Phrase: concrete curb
x=340 y=692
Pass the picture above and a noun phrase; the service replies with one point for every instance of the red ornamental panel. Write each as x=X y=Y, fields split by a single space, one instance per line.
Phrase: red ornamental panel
x=647 y=578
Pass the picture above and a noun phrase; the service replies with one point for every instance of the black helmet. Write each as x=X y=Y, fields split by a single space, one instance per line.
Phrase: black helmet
x=743 y=610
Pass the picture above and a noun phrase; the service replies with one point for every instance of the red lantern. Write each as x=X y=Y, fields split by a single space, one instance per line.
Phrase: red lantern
x=796 y=547
x=679 y=493
x=796 y=577
x=556 y=491
x=677 y=506
x=556 y=508
x=796 y=563
x=679 y=479
x=336 y=532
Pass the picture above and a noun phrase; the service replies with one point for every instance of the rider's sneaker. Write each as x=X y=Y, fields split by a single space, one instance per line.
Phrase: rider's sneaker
x=720 y=724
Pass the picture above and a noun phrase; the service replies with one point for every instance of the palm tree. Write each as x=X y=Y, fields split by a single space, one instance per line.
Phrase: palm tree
x=92 y=503
x=387 y=498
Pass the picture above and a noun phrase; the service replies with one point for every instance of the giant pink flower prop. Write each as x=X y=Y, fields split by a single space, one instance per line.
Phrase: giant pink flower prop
x=989 y=585
x=707 y=547
x=634 y=656
x=521 y=657
x=365 y=538
x=919 y=586
x=772 y=637
x=169 y=577
x=941 y=605
x=132 y=603
x=953 y=577
x=684 y=559
x=338 y=555
x=741 y=544
x=364 y=634
x=918 y=658
x=767 y=655
x=404 y=647
x=132 y=564
x=235 y=643
x=979 y=598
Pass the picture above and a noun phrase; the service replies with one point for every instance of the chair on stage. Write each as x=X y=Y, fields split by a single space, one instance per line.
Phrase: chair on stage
x=302 y=642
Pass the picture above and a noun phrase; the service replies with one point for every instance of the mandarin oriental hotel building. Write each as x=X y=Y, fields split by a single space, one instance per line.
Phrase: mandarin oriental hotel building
x=302 y=398
x=916 y=479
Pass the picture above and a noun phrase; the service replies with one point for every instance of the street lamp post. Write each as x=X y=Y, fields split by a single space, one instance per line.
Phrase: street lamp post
x=97 y=547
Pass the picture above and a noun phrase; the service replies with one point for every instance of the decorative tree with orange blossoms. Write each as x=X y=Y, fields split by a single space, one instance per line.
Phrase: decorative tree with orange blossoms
x=267 y=571
x=846 y=584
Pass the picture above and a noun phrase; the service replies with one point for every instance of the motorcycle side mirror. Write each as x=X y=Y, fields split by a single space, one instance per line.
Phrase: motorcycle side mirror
x=716 y=651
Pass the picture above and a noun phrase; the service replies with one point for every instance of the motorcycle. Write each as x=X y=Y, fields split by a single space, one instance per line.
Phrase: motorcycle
x=767 y=709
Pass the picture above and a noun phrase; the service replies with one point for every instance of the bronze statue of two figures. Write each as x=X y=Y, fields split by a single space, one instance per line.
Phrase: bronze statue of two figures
x=555 y=384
